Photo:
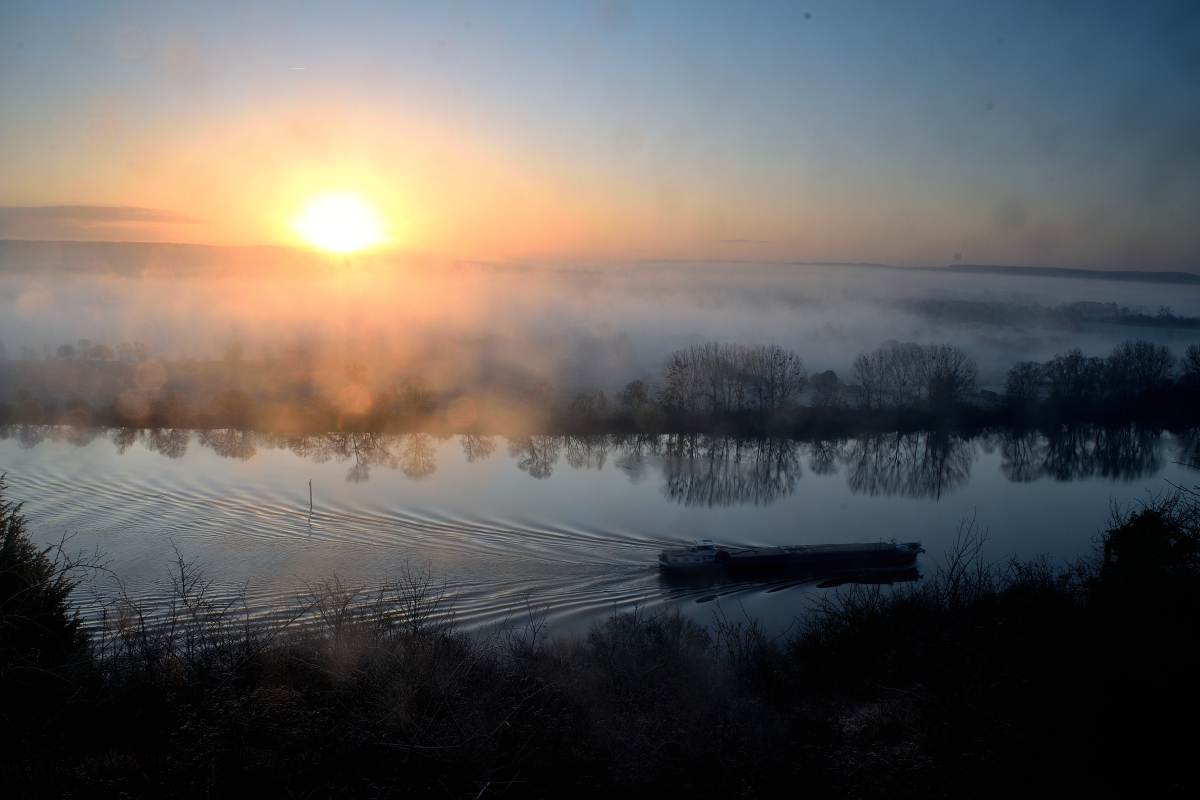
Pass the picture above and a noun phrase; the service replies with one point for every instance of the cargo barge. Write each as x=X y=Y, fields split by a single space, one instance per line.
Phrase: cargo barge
x=704 y=555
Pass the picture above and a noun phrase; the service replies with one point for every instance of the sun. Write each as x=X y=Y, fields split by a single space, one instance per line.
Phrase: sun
x=339 y=223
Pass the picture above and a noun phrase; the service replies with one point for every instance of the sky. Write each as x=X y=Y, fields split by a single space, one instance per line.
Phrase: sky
x=914 y=133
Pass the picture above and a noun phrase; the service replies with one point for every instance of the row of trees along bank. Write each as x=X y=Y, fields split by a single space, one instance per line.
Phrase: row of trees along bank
x=1133 y=370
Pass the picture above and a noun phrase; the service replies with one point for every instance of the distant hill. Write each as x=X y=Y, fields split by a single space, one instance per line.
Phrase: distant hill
x=1130 y=275
x=138 y=258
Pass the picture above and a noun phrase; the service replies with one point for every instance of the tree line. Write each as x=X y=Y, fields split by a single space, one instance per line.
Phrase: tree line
x=907 y=375
x=1133 y=370
x=715 y=379
x=732 y=378
x=904 y=385
x=84 y=350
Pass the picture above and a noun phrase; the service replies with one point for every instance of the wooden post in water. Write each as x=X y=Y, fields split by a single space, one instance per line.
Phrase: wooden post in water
x=310 y=497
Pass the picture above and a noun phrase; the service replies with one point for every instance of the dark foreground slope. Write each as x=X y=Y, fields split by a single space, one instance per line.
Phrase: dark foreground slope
x=978 y=681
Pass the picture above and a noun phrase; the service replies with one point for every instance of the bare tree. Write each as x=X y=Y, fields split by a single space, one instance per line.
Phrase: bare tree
x=634 y=396
x=681 y=389
x=1072 y=379
x=589 y=405
x=776 y=377
x=724 y=378
x=1135 y=367
x=1024 y=382
x=133 y=351
x=1189 y=366
x=416 y=396
x=949 y=375
x=539 y=398
x=826 y=389
x=871 y=376
x=889 y=376
x=721 y=372
x=907 y=375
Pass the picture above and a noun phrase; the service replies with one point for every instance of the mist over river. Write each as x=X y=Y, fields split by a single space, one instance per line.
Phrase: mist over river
x=570 y=524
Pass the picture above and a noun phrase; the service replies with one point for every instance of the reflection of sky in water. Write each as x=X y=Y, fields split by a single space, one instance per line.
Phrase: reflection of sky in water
x=573 y=523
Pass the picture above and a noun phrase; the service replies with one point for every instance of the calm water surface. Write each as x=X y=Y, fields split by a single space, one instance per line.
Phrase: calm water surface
x=572 y=524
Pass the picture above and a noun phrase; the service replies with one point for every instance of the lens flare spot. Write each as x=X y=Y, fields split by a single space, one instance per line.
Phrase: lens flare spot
x=356 y=399
x=340 y=223
x=462 y=413
x=133 y=404
x=150 y=376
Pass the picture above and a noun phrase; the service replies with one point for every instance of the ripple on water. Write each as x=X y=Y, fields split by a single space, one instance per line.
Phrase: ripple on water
x=582 y=542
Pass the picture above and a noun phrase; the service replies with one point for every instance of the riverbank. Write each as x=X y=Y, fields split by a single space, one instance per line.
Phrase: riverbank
x=981 y=680
x=710 y=388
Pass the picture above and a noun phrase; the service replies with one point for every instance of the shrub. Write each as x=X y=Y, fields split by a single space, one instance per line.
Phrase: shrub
x=42 y=642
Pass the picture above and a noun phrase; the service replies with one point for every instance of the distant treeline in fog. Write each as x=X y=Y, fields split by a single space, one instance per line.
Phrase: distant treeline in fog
x=710 y=386
x=1068 y=316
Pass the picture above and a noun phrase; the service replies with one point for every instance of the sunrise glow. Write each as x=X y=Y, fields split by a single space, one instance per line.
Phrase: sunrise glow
x=339 y=223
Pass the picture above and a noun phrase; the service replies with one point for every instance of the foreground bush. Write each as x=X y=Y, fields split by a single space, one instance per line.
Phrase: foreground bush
x=981 y=680
x=43 y=648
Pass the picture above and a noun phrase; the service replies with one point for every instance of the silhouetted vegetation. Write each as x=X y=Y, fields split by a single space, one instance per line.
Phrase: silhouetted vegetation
x=731 y=379
x=980 y=680
x=1136 y=382
x=905 y=376
x=44 y=657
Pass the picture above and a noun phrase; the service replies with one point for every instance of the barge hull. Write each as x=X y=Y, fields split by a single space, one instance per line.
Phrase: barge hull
x=821 y=557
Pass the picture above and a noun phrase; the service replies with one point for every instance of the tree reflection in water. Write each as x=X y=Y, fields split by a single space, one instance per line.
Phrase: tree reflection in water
x=824 y=455
x=230 y=443
x=708 y=471
x=478 y=448
x=1073 y=452
x=638 y=445
x=536 y=455
x=125 y=438
x=170 y=442
x=923 y=465
x=585 y=452
x=418 y=455
x=30 y=436
x=1021 y=455
x=698 y=469
x=414 y=454
x=1189 y=448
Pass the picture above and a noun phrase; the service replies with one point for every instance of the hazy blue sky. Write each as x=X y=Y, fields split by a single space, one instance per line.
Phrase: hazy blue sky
x=1050 y=133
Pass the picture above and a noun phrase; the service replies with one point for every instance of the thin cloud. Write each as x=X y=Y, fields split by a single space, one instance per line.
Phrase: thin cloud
x=93 y=215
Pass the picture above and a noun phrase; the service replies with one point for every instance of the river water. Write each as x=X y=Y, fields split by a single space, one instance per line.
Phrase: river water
x=571 y=525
